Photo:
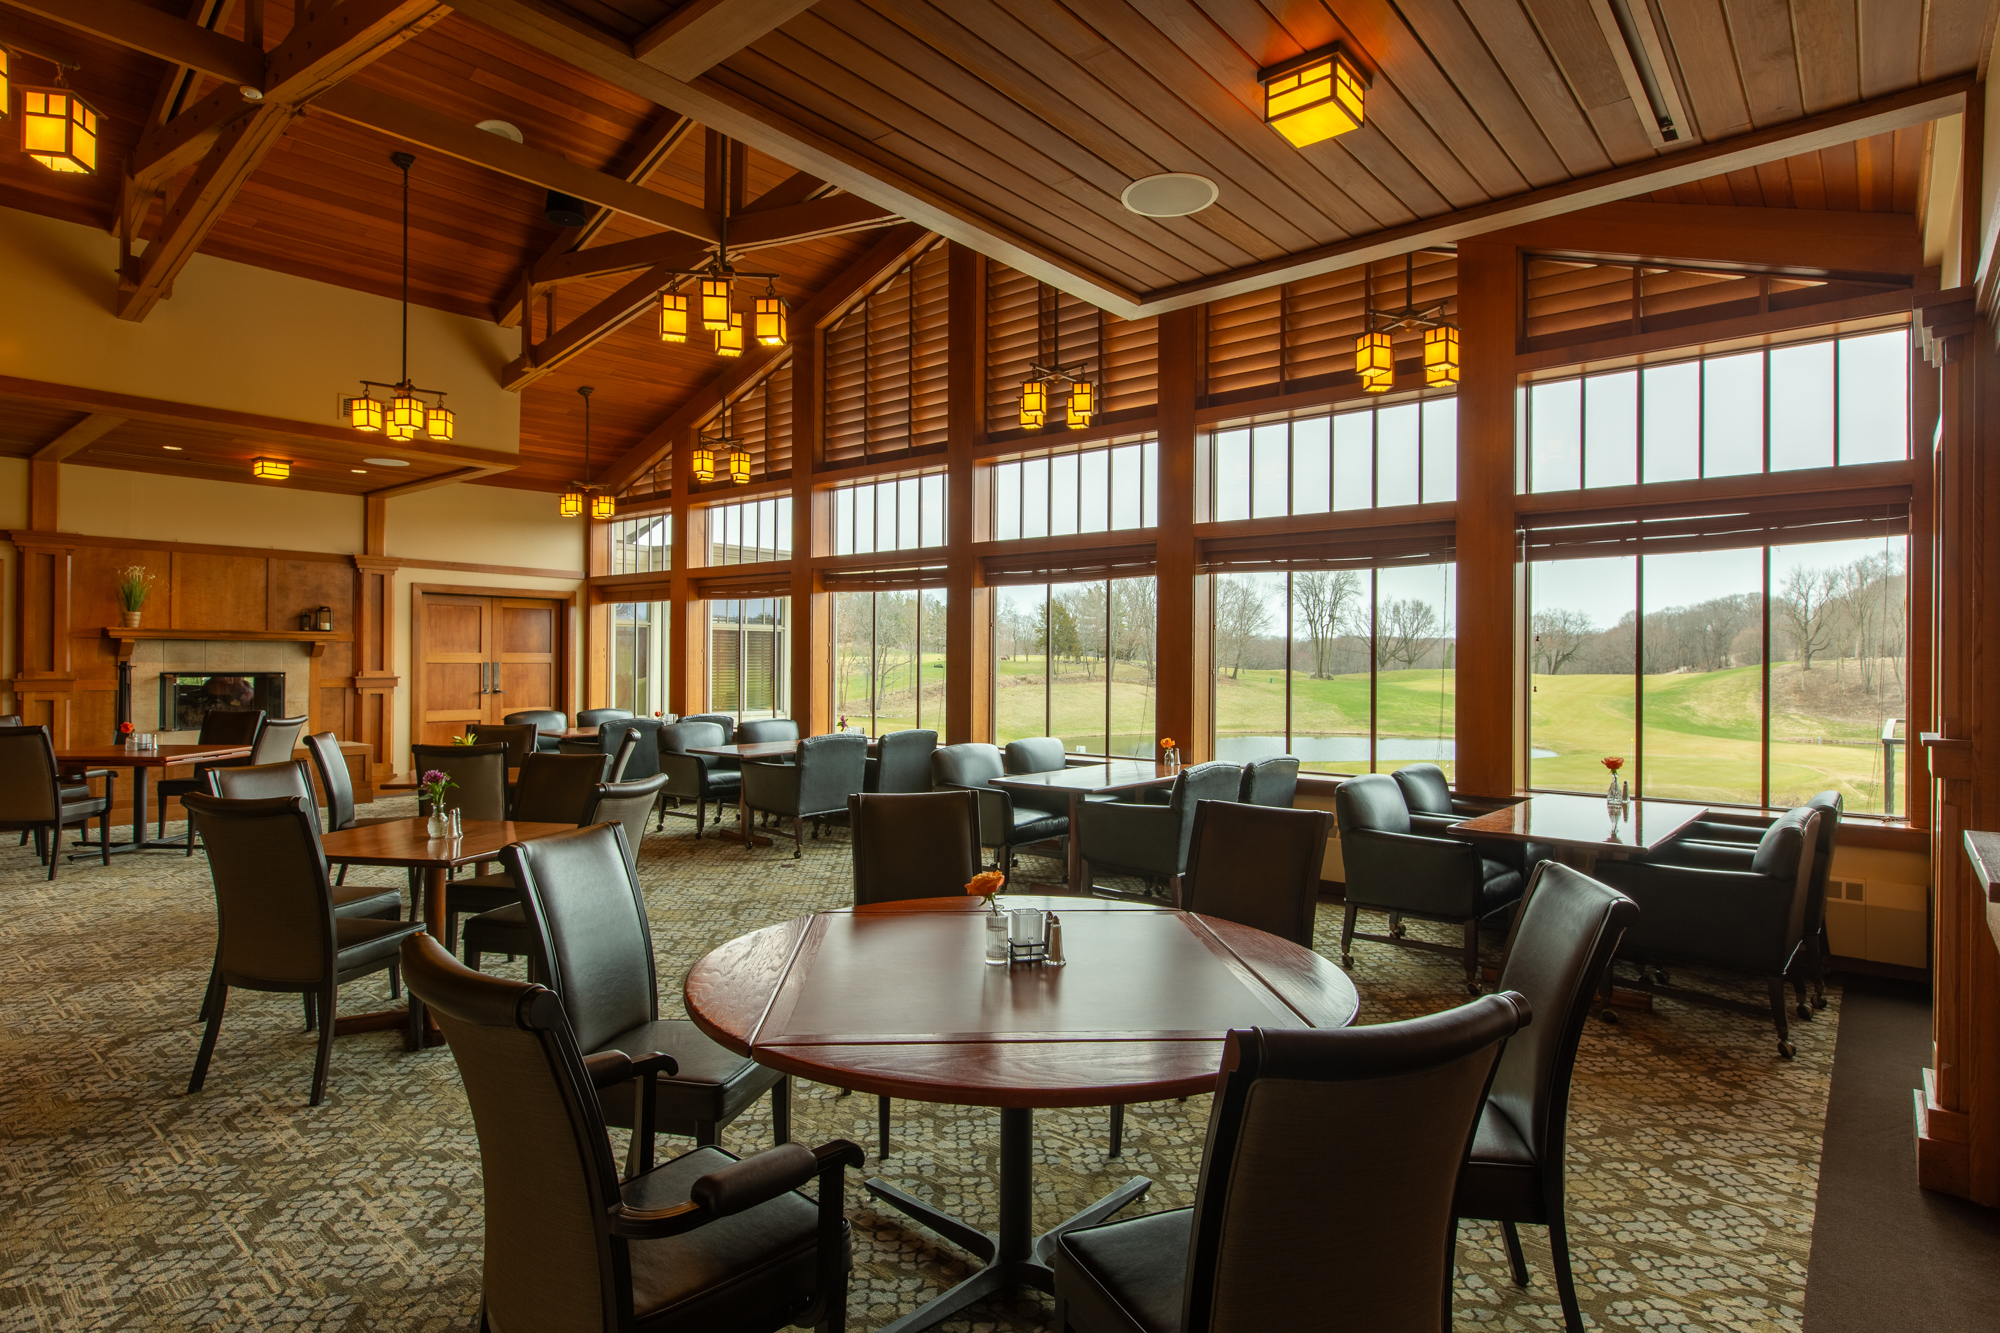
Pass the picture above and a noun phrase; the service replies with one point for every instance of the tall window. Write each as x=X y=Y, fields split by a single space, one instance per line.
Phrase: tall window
x=1105 y=489
x=1403 y=454
x=1778 y=409
x=888 y=659
x=1752 y=676
x=749 y=656
x=744 y=534
x=1351 y=670
x=899 y=514
x=1076 y=660
x=642 y=545
x=639 y=656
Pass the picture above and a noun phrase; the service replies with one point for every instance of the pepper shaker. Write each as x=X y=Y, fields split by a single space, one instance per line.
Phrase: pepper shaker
x=1055 y=945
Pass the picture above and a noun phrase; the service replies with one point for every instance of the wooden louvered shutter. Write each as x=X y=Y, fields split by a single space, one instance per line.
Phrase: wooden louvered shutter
x=930 y=348
x=1711 y=525
x=845 y=392
x=888 y=377
x=762 y=419
x=886 y=373
x=1245 y=342
x=1013 y=342
x=1131 y=365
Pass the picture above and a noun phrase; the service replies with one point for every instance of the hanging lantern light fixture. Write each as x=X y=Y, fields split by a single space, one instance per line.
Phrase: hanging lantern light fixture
x=712 y=305
x=739 y=466
x=59 y=129
x=405 y=415
x=1314 y=97
x=771 y=330
x=704 y=461
x=1441 y=356
x=715 y=302
x=1374 y=350
x=1082 y=403
x=729 y=340
x=601 y=503
x=673 y=317
x=1034 y=403
x=1375 y=361
x=571 y=504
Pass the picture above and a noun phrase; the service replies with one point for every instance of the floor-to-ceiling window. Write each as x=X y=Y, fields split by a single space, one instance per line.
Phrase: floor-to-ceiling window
x=888 y=659
x=749 y=656
x=1076 y=660
x=1748 y=652
x=639 y=638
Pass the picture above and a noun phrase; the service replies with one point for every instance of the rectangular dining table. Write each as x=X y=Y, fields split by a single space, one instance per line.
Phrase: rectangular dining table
x=1581 y=828
x=72 y=758
x=406 y=844
x=1079 y=781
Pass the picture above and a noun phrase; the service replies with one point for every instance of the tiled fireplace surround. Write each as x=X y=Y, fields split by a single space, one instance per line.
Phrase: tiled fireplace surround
x=152 y=657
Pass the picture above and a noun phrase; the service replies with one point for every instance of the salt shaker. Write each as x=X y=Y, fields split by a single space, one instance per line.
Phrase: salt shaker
x=457 y=823
x=1055 y=945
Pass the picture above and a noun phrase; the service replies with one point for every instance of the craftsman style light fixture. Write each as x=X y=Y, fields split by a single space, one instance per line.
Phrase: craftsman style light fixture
x=704 y=461
x=405 y=415
x=673 y=317
x=601 y=502
x=1314 y=97
x=771 y=318
x=729 y=342
x=6 y=81
x=1034 y=403
x=1048 y=370
x=1374 y=351
x=1082 y=403
x=715 y=303
x=739 y=466
x=270 y=469
x=59 y=129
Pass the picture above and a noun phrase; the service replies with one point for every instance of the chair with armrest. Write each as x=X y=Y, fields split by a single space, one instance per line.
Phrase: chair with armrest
x=1390 y=868
x=1271 y=781
x=700 y=778
x=1750 y=921
x=554 y=789
x=1240 y=1258
x=504 y=929
x=593 y=943
x=520 y=738
x=597 y=717
x=219 y=726
x=1040 y=754
x=761 y=730
x=548 y=725
x=638 y=738
x=902 y=761
x=276 y=738
x=828 y=771
x=727 y=721
x=1561 y=942
x=34 y=799
x=263 y=782
x=276 y=929
x=1152 y=840
x=706 y=1241
x=1434 y=808
x=1003 y=824
x=1728 y=842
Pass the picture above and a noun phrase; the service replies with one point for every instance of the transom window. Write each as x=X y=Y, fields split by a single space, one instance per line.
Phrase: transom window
x=1056 y=494
x=899 y=514
x=1402 y=454
x=750 y=532
x=642 y=545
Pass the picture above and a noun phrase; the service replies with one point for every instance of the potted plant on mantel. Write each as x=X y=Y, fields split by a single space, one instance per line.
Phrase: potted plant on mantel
x=135 y=584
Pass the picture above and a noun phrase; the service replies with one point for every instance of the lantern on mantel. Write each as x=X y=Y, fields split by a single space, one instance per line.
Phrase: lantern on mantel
x=323 y=620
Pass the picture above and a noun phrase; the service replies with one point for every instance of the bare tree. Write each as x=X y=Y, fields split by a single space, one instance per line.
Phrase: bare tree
x=1560 y=634
x=1806 y=608
x=1405 y=630
x=1323 y=598
x=1240 y=617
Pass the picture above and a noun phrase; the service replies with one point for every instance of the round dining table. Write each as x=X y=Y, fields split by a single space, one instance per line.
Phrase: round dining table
x=896 y=999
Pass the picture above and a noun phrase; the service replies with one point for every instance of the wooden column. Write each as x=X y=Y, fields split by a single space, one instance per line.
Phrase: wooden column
x=1489 y=705
x=44 y=682
x=375 y=678
x=44 y=494
x=595 y=688
x=968 y=679
x=811 y=646
x=687 y=679
x=1183 y=679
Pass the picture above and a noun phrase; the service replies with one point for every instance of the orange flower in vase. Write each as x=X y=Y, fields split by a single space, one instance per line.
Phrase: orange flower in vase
x=985 y=885
x=1169 y=753
x=1614 y=762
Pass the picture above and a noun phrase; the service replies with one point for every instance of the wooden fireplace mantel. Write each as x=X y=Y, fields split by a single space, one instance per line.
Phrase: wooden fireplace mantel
x=127 y=639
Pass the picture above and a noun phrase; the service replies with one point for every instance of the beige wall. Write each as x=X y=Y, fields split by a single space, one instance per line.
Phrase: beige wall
x=102 y=503
x=236 y=337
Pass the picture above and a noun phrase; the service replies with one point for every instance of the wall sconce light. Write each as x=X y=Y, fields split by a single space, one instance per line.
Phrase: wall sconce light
x=673 y=318
x=1314 y=97
x=270 y=469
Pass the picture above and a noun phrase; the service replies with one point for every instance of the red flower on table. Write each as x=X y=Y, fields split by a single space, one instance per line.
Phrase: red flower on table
x=1614 y=762
x=124 y=728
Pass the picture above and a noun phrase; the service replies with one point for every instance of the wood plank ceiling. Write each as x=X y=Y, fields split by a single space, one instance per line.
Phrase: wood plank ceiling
x=1015 y=124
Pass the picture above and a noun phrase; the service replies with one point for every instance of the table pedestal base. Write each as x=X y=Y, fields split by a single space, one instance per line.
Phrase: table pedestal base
x=1015 y=1256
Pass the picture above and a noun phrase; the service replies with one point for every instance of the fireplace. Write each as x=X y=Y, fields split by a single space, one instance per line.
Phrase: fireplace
x=186 y=697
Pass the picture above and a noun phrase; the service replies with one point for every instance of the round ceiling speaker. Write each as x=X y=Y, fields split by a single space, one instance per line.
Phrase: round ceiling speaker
x=1173 y=195
x=388 y=462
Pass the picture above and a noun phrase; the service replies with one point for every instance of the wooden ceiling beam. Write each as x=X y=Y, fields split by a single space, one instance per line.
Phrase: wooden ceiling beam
x=796 y=188
x=594 y=325
x=895 y=249
x=78 y=437
x=801 y=222
x=701 y=34
x=605 y=261
x=451 y=478
x=441 y=134
x=641 y=160
x=167 y=150
x=178 y=83
x=139 y=27
x=753 y=231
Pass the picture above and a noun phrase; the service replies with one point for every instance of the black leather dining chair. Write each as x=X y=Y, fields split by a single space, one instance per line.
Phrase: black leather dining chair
x=34 y=798
x=705 y=1241
x=594 y=944
x=902 y=761
x=1270 y=781
x=480 y=772
x=1003 y=824
x=263 y=782
x=597 y=717
x=1389 y=868
x=548 y=725
x=1562 y=940
x=1241 y=1258
x=520 y=738
x=700 y=778
x=1257 y=865
x=828 y=771
x=219 y=726
x=761 y=730
x=1152 y=840
x=1434 y=807
x=554 y=789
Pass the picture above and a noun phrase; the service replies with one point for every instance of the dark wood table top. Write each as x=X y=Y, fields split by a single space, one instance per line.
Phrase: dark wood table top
x=1113 y=775
x=572 y=734
x=409 y=781
x=404 y=842
x=754 y=750
x=1583 y=822
x=1139 y=1014
x=167 y=756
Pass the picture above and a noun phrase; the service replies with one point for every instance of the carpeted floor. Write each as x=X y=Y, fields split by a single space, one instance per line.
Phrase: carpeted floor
x=1694 y=1151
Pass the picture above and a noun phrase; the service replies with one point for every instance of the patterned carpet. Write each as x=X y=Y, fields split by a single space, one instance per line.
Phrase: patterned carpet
x=1693 y=1150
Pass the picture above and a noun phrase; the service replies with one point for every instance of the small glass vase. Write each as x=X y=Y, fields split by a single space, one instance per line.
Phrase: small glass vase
x=996 y=936
x=438 y=825
x=1171 y=758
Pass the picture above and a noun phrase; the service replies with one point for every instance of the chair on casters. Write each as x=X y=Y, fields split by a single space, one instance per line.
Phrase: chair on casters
x=1272 y=781
x=902 y=761
x=1434 y=808
x=700 y=778
x=911 y=845
x=34 y=799
x=587 y=916
x=275 y=927
x=702 y=1242
x=548 y=725
x=1563 y=936
x=1152 y=840
x=1241 y=1258
x=219 y=726
x=828 y=771
x=1391 y=869
x=1003 y=825
x=636 y=738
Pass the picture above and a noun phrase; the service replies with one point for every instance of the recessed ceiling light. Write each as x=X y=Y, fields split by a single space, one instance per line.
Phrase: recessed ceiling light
x=359 y=471
x=1172 y=195
x=388 y=462
x=171 y=448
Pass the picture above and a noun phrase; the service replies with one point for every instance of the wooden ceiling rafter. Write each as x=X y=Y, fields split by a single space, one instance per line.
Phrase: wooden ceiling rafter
x=80 y=436
x=701 y=34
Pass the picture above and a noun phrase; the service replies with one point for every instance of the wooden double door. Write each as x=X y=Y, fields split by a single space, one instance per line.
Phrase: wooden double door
x=484 y=657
